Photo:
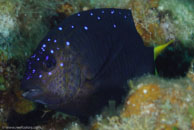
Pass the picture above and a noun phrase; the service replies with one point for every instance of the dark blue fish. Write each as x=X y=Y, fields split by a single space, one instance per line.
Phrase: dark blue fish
x=86 y=61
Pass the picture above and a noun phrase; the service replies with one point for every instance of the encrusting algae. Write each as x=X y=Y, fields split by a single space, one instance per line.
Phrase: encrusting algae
x=154 y=104
x=143 y=98
x=21 y=105
x=147 y=21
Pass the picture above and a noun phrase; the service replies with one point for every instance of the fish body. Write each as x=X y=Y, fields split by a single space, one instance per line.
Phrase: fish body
x=86 y=60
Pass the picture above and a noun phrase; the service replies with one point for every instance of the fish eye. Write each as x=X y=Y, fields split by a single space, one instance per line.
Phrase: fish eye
x=49 y=63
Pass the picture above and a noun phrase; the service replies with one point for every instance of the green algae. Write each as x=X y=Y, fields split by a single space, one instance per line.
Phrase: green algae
x=23 y=23
x=2 y=79
x=2 y=86
x=191 y=111
x=173 y=115
x=174 y=128
x=182 y=19
x=109 y=3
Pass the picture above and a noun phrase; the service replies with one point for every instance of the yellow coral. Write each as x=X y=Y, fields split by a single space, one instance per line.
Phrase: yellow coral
x=95 y=126
x=146 y=21
x=192 y=124
x=152 y=99
x=66 y=9
x=144 y=96
x=151 y=33
x=24 y=106
x=21 y=105
x=154 y=3
x=3 y=124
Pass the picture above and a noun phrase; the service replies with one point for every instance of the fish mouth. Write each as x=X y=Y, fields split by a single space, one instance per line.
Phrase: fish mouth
x=32 y=93
x=31 y=90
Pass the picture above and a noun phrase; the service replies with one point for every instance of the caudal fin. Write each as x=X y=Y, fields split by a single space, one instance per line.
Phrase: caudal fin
x=160 y=48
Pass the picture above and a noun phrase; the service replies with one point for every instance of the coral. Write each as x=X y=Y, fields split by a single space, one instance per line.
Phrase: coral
x=60 y=121
x=80 y=5
x=66 y=9
x=74 y=126
x=146 y=19
x=142 y=101
x=7 y=72
x=154 y=103
x=190 y=73
x=10 y=94
x=132 y=123
x=7 y=26
x=3 y=117
x=109 y=3
x=180 y=24
x=3 y=125
x=171 y=109
x=21 y=105
x=23 y=24
x=2 y=80
x=5 y=107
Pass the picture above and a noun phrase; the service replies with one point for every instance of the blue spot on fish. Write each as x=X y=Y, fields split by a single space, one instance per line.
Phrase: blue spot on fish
x=112 y=12
x=52 y=51
x=40 y=76
x=47 y=57
x=60 y=28
x=33 y=71
x=85 y=27
x=67 y=43
x=49 y=73
x=98 y=18
x=61 y=64
x=44 y=45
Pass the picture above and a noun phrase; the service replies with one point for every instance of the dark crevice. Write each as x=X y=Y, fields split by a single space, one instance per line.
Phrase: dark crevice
x=175 y=61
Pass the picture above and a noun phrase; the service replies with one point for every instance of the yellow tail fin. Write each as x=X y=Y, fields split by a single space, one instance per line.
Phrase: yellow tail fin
x=160 y=48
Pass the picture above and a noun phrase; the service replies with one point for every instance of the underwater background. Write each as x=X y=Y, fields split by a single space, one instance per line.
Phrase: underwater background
x=154 y=102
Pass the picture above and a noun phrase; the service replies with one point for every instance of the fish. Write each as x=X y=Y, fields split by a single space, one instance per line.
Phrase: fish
x=86 y=61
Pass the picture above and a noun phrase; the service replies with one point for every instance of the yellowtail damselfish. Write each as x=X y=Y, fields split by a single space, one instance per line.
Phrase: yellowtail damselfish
x=86 y=61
